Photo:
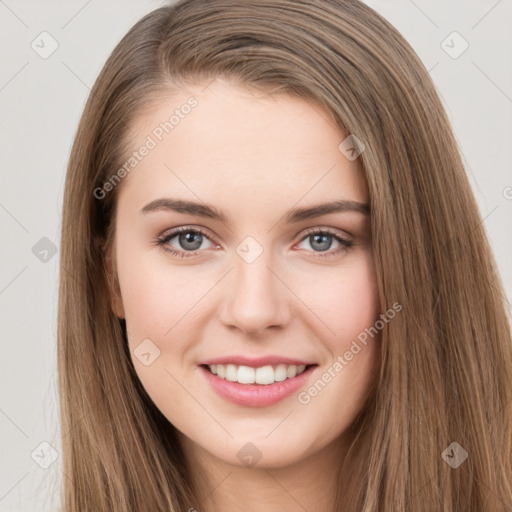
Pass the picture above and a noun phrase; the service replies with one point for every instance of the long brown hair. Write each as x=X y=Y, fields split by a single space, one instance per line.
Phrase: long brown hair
x=446 y=369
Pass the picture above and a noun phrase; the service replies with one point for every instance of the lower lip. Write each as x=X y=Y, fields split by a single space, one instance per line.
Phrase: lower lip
x=256 y=395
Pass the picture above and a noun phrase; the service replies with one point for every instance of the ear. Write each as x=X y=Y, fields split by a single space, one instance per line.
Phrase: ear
x=116 y=300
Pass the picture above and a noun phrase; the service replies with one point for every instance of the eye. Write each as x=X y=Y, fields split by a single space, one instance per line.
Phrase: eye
x=189 y=241
x=321 y=241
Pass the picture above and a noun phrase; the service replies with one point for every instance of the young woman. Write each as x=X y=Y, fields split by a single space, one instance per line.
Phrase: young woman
x=276 y=290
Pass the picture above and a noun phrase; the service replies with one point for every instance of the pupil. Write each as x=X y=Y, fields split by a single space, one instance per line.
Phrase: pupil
x=191 y=238
x=323 y=244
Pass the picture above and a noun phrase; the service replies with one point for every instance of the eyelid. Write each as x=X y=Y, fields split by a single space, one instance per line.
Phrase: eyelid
x=207 y=233
x=185 y=229
x=346 y=242
x=344 y=239
x=162 y=240
x=331 y=231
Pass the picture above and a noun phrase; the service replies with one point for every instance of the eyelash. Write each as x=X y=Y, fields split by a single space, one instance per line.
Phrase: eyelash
x=162 y=241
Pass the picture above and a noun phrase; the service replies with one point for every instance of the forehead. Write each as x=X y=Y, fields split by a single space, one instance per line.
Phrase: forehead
x=227 y=144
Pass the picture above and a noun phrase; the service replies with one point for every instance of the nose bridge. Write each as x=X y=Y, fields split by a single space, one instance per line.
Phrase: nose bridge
x=256 y=299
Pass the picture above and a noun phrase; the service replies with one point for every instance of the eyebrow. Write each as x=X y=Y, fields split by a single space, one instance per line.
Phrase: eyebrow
x=292 y=216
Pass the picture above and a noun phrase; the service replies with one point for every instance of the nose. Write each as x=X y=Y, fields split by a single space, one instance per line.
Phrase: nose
x=255 y=297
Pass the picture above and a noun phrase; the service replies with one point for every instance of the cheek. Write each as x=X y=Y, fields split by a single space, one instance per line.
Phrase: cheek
x=160 y=300
x=157 y=297
x=350 y=307
x=158 y=303
x=347 y=301
x=146 y=303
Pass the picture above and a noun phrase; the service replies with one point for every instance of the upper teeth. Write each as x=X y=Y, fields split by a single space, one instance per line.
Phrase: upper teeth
x=262 y=375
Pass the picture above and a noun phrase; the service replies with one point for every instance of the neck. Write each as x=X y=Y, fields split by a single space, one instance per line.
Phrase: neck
x=307 y=484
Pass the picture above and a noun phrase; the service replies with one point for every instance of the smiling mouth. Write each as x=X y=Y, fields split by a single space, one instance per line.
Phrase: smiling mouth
x=264 y=375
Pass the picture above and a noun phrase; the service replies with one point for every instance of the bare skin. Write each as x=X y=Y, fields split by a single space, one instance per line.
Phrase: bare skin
x=254 y=157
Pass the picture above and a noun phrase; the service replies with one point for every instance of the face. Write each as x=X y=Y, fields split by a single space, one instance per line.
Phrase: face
x=222 y=261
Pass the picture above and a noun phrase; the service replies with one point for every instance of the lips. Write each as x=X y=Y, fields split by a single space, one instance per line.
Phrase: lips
x=256 y=381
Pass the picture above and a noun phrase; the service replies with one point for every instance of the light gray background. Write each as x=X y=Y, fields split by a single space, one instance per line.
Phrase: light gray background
x=41 y=101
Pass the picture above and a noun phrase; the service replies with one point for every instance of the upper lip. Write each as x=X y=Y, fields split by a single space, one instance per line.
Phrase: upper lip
x=256 y=362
